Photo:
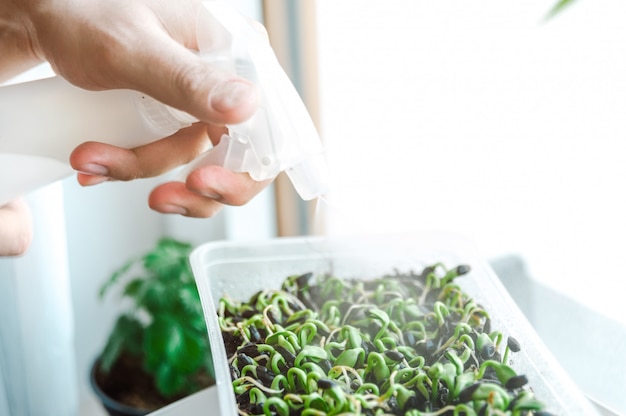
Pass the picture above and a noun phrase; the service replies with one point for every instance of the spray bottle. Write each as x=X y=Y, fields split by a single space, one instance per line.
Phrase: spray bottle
x=42 y=121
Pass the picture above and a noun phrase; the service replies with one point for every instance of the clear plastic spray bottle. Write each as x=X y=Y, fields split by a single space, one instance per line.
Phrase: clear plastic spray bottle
x=42 y=121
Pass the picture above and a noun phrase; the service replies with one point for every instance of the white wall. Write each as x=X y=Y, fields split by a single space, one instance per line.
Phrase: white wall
x=478 y=118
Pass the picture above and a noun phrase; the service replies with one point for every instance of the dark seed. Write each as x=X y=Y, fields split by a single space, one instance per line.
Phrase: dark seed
x=287 y=355
x=409 y=338
x=467 y=393
x=326 y=365
x=248 y=313
x=322 y=332
x=294 y=306
x=250 y=349
x=427 y=270
x=335 y=352
x=513 y=344
x=411 y=403
x=244 y=398
x=306 y=301
x=462 y=269
x=273 y=317
x=315 y=296
x=283 y=368
x=373 y=328
x=368 y=346
x=491 y=375
x=230 y=343
x=304 y=279
x=394 y=355
x=487 y=327
x=324 y=383
x=487 y=351
x=255 y=298
x=254 y=335
x=243 y=360
x=234 y=372
x=264 y=375
x=516 y=382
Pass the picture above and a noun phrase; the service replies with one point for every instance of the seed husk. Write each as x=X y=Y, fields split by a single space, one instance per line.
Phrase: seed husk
x=513 y=344
x=516 y=382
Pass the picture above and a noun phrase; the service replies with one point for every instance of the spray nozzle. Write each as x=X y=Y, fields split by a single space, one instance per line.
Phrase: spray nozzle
x=280 y=136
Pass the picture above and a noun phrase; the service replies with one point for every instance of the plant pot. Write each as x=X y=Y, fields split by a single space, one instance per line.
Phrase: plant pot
x=127 y=390
x=111 y=405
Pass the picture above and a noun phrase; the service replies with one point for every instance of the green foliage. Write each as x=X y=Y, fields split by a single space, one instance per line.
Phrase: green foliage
x=164 y=325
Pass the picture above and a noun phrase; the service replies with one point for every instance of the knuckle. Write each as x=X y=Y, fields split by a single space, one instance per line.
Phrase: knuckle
x=191 y=78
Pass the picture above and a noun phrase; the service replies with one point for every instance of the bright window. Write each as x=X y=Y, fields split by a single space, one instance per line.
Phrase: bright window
x=480 y=118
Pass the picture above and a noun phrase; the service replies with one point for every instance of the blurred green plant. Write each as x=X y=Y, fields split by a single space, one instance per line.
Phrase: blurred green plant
x=559 y=7
x=164 y=325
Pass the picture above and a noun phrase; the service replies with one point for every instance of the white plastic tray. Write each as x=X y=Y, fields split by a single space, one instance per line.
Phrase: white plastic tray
x=240 y=269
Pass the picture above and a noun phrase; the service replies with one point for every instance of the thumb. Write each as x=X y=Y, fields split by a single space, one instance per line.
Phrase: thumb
x=181 y=79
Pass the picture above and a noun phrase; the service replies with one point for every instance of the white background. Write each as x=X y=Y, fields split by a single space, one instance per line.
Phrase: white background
x=482 y=119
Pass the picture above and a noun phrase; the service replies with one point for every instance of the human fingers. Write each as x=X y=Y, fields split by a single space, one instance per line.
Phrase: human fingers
x=98 y=162
x=16 y=228
x=205 y=192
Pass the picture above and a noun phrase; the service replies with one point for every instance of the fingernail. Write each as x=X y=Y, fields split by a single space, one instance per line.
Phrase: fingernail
x=95 y=180
x=171 y=209
x=212 y=195
x=230 y=95
x=94 y=169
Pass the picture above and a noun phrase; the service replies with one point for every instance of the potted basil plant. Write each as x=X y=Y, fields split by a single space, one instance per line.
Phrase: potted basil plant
x=158 y=350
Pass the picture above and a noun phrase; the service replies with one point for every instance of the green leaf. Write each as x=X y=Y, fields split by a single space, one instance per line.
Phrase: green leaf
x=198 y=324
x=135 y=288
x=168 y=381
x=156 y=297
x=169 y=257
x=190 y=299
x=161 y=335
x=167 y=341
x=188 y=355
x=558 y=8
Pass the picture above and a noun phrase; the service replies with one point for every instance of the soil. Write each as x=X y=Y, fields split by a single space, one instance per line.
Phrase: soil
x=129 y=384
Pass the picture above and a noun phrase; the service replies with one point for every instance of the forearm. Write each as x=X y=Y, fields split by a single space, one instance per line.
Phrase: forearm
x=16 y=49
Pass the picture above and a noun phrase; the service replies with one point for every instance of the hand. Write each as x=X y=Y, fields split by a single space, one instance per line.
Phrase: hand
x=16 y=229
x=147 y=45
